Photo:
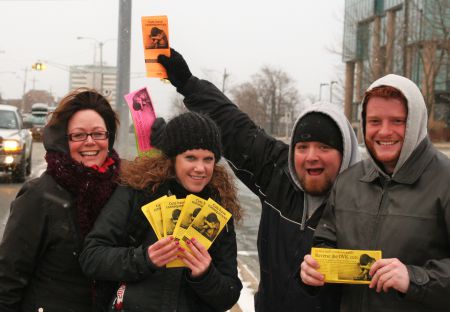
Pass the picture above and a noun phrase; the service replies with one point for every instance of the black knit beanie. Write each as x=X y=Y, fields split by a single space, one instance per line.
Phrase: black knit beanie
x=191 y=131
x=318 y=127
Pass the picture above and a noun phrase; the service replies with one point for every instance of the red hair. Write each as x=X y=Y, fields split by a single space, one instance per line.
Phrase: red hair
x=386 y=92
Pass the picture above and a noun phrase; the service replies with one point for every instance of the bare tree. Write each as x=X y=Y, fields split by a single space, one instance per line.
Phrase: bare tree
x=270 y=99
x=246 y=97
x=434 y=49
x=37 y=96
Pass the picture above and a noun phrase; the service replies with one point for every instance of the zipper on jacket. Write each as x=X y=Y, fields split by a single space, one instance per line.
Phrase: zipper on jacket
x=385 y=186
x=305 y=209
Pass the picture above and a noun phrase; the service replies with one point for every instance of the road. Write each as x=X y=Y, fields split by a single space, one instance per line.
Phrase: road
x=8 y=189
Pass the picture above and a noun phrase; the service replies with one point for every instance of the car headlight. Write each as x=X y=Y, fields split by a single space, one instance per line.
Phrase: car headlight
x=11 y=146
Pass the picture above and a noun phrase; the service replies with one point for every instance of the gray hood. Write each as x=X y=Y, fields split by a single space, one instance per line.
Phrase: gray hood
x=416 y=122
x=350 y=143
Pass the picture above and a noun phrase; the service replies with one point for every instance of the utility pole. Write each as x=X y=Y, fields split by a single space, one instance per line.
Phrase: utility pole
x=24 y=88
x=123 y=72
x=331 y=90
x=100 y=45
x=224 y=78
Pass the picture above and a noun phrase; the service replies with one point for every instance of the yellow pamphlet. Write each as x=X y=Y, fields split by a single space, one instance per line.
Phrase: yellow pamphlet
x=170 y=211
x=155 y=33
x=192 y=206
x=208 y=223
x=344 y=265
x=154 y=208
x=153 y=213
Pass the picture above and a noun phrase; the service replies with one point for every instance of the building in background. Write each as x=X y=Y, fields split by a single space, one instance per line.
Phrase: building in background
x=406 y=37
x=100 y=78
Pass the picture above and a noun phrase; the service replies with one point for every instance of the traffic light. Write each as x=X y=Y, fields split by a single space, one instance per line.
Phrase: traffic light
x=38 y=66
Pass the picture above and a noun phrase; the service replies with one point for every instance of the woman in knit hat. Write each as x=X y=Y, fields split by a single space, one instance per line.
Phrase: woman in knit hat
x=39 y=267
x=123 y=247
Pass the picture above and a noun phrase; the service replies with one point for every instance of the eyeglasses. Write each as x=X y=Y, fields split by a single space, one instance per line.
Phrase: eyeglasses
x=82 y=136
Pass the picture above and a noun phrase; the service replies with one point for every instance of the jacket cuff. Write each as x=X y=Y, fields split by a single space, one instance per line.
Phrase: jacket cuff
x=189 y=87
x=201 y=279
x=151 y=266
x=418 y=278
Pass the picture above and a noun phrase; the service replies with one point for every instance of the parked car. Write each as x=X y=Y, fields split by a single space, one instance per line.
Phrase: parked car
x=16 y=143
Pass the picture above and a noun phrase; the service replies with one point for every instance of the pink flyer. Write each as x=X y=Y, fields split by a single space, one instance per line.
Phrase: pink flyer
x=143 y=115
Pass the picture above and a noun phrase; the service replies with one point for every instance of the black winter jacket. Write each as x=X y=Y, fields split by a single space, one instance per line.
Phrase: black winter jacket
x=111 y=253
x=44 y=271
x=261 y=163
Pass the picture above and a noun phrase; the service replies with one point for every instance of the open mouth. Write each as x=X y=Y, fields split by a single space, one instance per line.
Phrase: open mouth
x=89 y=153
x=197 y=177
x=315 y=171
x=387 y=143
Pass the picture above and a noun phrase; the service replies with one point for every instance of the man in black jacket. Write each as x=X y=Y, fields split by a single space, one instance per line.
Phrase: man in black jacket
x=292 y=181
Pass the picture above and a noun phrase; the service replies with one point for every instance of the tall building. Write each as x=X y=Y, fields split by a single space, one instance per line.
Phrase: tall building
x=100 y=78
x=406 y=37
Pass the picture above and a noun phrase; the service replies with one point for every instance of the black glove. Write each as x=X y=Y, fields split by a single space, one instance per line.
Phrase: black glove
x=176 y=67
x=156 y=138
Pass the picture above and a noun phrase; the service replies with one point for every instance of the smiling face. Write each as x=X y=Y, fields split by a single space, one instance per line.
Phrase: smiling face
x=385 y=130
x=89 y=152
x=317 y=166
x=194 y=169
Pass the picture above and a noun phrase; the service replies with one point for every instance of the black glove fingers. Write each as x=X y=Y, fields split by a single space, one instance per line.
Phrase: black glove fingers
x=163 y=60
x=158 y=127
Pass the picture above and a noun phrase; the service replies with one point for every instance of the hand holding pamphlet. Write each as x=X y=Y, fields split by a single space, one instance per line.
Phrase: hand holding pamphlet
x=185 y=219
x=345 y=266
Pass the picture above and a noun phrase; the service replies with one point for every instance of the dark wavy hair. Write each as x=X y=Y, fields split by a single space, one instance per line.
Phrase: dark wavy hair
x=81 y=99
x=150 y=172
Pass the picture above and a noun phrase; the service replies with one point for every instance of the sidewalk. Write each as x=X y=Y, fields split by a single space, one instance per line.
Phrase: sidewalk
x=444 y=147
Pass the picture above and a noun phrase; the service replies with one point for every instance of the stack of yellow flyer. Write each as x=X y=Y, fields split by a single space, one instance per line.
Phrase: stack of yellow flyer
x=191 y=208
x=170 y=211
x=152 y=212
x=208 y=223
x=186 y=218
x=344 y=265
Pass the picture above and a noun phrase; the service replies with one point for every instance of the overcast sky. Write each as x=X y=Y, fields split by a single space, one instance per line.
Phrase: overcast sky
x=239 y=35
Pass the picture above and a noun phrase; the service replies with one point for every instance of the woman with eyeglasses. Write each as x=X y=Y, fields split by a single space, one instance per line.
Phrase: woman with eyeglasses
x=51 y=215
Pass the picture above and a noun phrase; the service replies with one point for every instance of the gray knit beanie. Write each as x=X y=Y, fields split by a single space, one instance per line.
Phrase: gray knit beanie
x=191 y=131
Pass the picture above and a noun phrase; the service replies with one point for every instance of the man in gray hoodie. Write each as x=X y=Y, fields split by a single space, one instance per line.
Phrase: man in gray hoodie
x=292 y=182
x=397 y=201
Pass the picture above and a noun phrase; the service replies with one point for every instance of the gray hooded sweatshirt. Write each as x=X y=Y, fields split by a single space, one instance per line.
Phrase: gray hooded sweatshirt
x=416 y=123
x=405 y=215
x=350 y=155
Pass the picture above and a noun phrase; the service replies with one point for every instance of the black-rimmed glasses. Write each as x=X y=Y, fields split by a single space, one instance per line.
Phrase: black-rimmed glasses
x=82 y=136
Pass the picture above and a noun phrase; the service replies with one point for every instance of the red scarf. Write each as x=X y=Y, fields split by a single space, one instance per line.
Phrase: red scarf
x=91 y=187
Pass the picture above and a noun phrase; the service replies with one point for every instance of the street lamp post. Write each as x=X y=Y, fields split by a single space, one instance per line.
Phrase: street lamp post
x=24 y=87
x=331 y=90
x=100 y=45
x=320 y=90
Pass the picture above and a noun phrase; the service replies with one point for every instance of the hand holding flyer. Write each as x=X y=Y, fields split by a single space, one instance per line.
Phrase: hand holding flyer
x=345 y=266
x=185 y=219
